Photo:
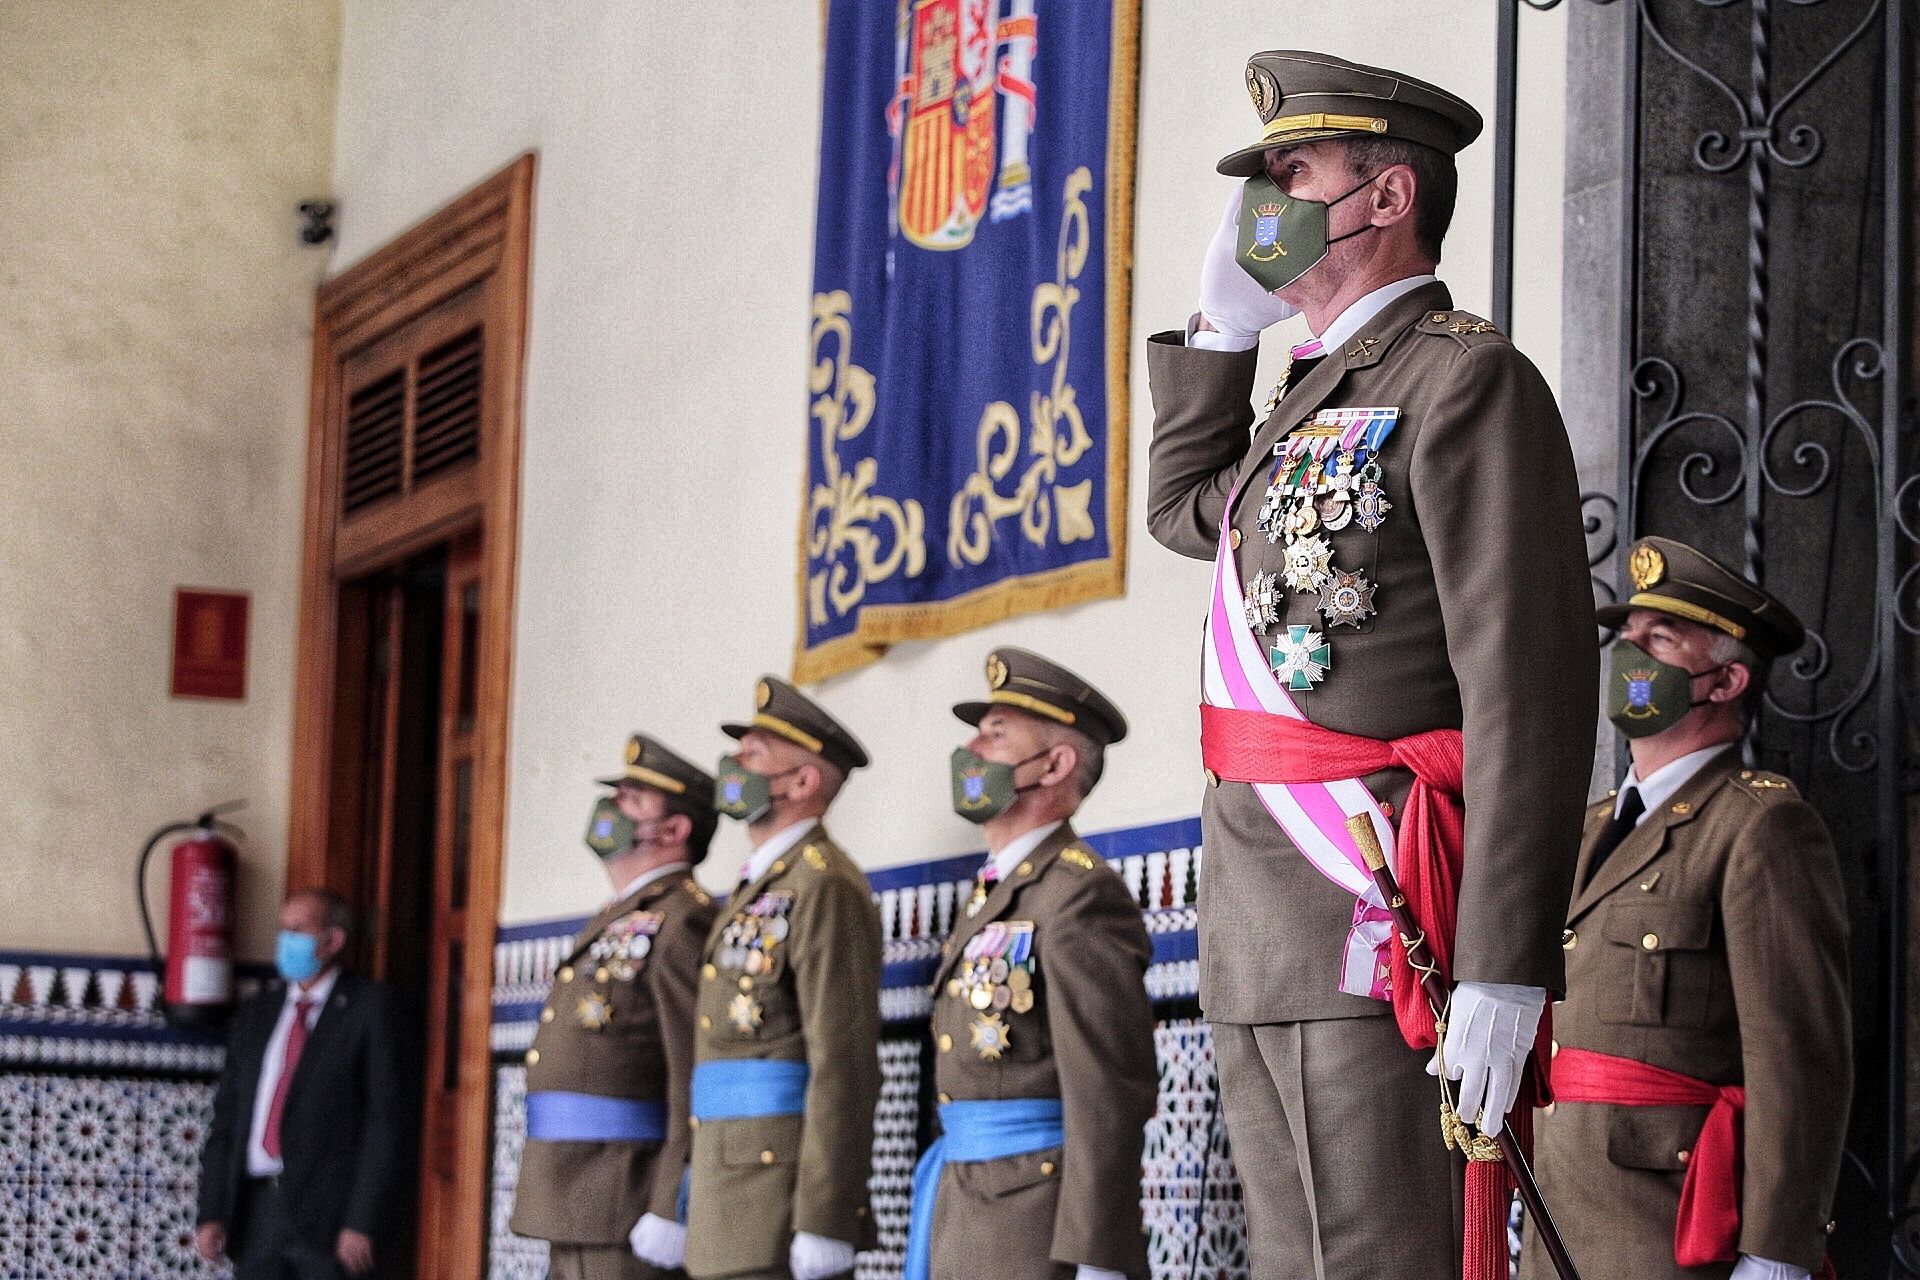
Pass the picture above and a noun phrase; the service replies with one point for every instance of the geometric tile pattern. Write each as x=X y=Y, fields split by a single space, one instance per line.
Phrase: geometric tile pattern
x=510 y=1257
x=97 y=1177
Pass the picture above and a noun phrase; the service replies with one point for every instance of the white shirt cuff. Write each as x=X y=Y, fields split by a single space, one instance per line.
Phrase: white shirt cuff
x=1215 y=340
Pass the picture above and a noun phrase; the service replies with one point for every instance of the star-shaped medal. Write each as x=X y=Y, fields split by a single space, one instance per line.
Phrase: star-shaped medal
x=1346 y=598
x=744 y=1012
x=990 y=1036
x=1370 y=506
x=1301 y=658
x=1309 y=561
x=594 y=1012
x=1263 y=602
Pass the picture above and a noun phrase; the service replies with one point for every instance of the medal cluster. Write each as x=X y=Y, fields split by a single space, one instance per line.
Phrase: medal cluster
x=1326 y=479
x=750 y=943
x=996 y=976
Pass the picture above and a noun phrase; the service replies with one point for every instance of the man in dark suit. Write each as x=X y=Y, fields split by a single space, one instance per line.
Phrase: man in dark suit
x=306 y=1136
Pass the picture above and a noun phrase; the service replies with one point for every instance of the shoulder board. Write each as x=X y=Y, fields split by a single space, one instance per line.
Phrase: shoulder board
x=1463 y=326
x=1763 y=785
x=814 y=858
x=1077 y=858
x=694 y=890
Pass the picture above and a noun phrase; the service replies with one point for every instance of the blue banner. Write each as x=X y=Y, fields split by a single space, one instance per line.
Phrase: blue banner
x=967 y=434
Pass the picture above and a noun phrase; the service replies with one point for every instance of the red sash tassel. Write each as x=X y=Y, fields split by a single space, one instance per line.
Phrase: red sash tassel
x=1257 y=746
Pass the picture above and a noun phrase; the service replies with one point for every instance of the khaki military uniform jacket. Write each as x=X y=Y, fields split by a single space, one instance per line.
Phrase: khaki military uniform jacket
x=1712 y=942
x=618 y=1025
x=815 y=999
x=1083 y=1033
x=1484 y=624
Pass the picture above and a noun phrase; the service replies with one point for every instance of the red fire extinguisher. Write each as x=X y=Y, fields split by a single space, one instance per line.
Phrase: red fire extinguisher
x=198 y=991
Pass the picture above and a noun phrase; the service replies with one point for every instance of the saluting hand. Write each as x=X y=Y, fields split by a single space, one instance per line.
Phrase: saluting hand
x=1232 y=303
x=354 y=1252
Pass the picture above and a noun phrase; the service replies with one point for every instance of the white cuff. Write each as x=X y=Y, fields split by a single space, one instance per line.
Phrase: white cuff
x=1752 y=1268
x=816 y=1257
x=1085 y=1272
x=659 y=1241
x=1218 y=339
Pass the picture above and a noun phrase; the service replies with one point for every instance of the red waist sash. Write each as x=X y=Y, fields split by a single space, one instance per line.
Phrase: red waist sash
x=1707 y=1228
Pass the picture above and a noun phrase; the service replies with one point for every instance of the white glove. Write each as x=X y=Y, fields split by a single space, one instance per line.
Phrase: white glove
x=1752 y=1268
x=816 y=1257
x=1490 y=1030
x=659 y=1241
x=1231 y=300
x=1085 y=1272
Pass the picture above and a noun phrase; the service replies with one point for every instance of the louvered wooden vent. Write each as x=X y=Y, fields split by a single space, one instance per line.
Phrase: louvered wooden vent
x=386 y=459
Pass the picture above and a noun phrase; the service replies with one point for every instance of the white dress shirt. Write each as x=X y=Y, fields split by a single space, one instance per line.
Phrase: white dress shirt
x=259 y=1163
x=778 y=843
x=1659 y=787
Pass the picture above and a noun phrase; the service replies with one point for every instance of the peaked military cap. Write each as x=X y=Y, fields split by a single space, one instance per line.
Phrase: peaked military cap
x=1673 y=578
x=651 y=764
x=1028 y=682
x=785 y=712
x=1303 y=96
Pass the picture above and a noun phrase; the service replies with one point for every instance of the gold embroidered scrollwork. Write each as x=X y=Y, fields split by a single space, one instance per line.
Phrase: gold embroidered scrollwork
x=855 y=537
x=1056 y=434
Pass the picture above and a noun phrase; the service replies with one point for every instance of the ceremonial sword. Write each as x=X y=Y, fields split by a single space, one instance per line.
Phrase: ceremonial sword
x=1414 y=939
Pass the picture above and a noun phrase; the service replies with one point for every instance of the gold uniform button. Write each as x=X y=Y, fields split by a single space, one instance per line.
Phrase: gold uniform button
x=1233 y=539
x=1213 y=779
x=766 y=1157
x=599 y=975
x=1651 y=942
x=566 y=973
x=706 y=1023
x=1025 y=868
x=945 y=1098
x=746 y=983
x=1681 y=806
x=693 y=1122
x=1746 y=774
x=1439 y=317
x=946 y=1043
x=1683 y=1155
x=533 y=1056
x=546 y=1015
x=1046 y=1168
x=1569 y=939
x=1548 y=1109
x=778 y=867
x=708 y=972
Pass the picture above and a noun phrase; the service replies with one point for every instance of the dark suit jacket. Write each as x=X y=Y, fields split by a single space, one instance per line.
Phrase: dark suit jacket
x=342 y=1134
x=1484 y=625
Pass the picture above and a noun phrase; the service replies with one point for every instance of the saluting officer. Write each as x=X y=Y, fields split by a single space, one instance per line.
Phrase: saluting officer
x=609 y=1073
x=1704 y=1060
x=1397 y=630
x=1045 y=1065
x=788 y=1065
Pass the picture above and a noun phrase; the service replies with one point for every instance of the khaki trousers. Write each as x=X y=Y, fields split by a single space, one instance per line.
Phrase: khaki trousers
x=1335 y=1130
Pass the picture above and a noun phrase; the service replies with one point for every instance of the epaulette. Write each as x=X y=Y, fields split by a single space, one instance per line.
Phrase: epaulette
x=699 y=895
x=1463 y=326
x=1762 y=785
x=1075 y=858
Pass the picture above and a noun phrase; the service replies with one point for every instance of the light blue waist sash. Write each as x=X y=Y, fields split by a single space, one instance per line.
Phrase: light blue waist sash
x=981 y=1130
x=739 y=1089
x=584 y=1117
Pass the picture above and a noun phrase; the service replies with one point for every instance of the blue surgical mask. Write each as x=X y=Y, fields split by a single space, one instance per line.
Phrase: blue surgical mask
x=296 y=956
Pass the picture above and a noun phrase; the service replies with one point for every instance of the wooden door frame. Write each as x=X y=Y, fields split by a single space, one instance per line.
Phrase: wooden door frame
x=485 y=233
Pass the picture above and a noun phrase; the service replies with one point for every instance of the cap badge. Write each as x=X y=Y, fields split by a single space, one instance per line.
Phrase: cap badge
x=1264 y=91
x=762 y=695
x=1646 y=566
x=633 y=750
x=996 y=671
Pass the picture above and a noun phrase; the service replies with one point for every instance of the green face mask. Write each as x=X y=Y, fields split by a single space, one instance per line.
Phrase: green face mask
x=741 y=793
x=610 y=832
x=1646 y=696
x=983 y=789
x=1281 y=237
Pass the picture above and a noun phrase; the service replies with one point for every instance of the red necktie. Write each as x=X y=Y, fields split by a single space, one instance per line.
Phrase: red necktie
x=296 y=1042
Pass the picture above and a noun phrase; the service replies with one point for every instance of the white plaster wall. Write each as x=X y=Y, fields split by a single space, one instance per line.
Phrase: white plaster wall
x=666 y=368
x=155 y=332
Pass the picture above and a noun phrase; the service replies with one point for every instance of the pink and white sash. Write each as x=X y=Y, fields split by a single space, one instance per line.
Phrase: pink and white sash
x=1235 y=673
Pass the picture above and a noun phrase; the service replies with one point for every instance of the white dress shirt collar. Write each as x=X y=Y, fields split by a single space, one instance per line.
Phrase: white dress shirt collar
x=1020 y=846
x=1659 y=787
x=1363 y=309
x=646 y=878
x=778 y=843
x=317 y=993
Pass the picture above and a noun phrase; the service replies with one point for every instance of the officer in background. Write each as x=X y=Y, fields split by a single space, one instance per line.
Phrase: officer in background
x=1045 y=1065
x=608 y=1076
x=787 y=1063
x=1703 y=1058
x=1397 y=630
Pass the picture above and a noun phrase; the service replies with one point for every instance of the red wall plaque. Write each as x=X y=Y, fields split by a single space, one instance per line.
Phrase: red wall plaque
x=209 y=644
